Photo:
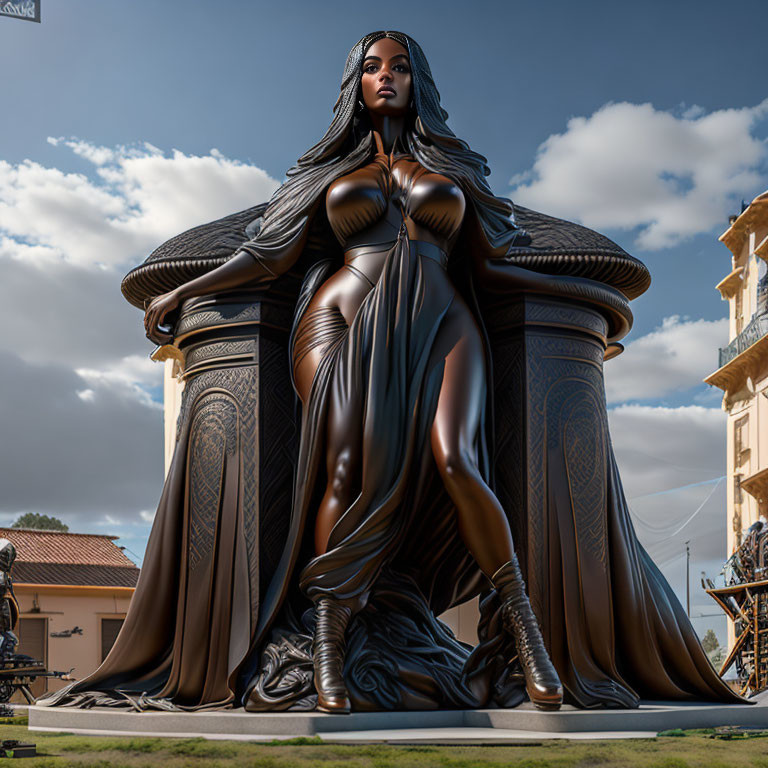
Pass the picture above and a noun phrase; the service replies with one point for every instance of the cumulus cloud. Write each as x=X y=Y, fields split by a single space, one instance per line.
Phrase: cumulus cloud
x=80 y=396
x=134 y=199
x=633 y=166
x=132 y=376
x=674 y=357
x=66 y=240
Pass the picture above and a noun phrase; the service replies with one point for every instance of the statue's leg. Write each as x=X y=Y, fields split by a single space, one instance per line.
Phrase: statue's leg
x=454 y=436
x=342 y=449
x=342 y=464
x=318 y=331
x=482 y=522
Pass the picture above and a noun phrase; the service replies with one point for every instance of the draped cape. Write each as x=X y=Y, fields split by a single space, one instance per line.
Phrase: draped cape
x=193 y=637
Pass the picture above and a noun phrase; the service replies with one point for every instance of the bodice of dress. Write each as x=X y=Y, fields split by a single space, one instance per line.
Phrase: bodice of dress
x=367 y=206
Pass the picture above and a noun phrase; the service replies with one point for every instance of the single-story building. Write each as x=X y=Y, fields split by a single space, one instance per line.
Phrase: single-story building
x=73 y=591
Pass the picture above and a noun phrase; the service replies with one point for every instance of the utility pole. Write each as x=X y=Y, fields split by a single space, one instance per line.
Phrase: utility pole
x=688 y=578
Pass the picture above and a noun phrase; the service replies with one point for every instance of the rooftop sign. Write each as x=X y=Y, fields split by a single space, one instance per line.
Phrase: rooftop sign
x=21 y=9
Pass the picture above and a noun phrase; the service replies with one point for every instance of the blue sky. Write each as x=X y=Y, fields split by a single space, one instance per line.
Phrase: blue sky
x=125 y=123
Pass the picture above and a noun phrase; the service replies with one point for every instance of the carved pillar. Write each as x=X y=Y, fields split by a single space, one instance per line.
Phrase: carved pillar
x=238 y=400
x=551 y=426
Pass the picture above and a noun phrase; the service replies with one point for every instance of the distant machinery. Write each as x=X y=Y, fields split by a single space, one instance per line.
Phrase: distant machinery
x=744 y=598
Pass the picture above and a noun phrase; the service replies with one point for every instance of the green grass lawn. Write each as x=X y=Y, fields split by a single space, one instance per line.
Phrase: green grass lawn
x=689 y=750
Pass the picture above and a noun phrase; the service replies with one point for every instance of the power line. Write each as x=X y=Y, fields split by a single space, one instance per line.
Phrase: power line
x=665 y=530
x=138 y=557
x=679 y=488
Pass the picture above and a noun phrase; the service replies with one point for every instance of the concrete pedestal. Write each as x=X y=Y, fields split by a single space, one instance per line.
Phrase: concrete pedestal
x=444 y=726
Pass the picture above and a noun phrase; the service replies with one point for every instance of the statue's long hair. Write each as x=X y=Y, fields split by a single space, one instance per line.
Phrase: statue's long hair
x=347 y=144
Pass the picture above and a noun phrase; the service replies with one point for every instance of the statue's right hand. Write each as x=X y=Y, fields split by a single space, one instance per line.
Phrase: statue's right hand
x=156 y=312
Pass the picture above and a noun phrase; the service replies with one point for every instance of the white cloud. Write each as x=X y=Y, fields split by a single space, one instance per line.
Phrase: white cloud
x=631 y=165
x=84 y=428
x=136 y=198
x=66 y=240
x=676 y=356
x=129 y=377
x=92 y=153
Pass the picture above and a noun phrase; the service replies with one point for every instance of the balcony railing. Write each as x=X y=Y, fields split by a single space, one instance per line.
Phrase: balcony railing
x=757 y=328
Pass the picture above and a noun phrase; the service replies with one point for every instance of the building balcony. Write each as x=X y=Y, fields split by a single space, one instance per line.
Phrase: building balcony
x=755 y=330
x=743 y=361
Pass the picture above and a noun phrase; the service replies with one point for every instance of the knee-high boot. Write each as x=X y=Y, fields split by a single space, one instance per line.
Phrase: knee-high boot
x=541 y=680
x=331 y=619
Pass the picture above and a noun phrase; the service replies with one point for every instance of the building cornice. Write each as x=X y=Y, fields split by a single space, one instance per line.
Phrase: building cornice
x=762 y=249
x=73 y=589
x=756 y=485
x=730 y=283
x=735 y=236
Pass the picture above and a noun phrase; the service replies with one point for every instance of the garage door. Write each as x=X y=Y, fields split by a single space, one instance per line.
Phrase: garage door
x=33 y=641
x=109 y=631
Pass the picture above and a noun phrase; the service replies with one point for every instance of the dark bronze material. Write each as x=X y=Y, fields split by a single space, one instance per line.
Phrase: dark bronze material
x=448 y=368
x=541 y=681
x=331 y=620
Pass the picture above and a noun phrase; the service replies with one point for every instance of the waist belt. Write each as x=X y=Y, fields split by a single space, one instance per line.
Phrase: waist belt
x=422 y=248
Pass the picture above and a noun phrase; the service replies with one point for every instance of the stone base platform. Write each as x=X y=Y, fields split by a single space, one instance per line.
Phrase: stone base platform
x=444 y=726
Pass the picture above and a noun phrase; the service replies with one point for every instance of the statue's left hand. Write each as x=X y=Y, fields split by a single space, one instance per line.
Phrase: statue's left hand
x=156 y=312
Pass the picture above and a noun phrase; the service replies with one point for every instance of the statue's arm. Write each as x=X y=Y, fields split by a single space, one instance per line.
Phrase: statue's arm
x=257 y=260
x=494 y=273
x=494 y=269
x=491 y=265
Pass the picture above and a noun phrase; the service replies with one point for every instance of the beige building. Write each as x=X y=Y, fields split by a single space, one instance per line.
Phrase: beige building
x=73 y=591
x=743 y=368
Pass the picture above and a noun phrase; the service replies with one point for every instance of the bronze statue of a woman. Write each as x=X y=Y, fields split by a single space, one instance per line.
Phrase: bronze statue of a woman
x=386 y=352
x=391 y=361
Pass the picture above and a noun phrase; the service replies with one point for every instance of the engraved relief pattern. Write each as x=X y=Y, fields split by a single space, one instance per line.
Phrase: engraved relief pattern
x=240 y=386
x=212 y=439
x=582 y=430
x=219 y=349
x=550 y=359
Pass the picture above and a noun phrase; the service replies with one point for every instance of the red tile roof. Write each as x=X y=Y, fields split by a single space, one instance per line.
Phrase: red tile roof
x=82 y=559
x=34 y=546
x=79 y=575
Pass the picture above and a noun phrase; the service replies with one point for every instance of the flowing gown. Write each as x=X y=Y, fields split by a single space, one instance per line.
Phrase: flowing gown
x=396 y=551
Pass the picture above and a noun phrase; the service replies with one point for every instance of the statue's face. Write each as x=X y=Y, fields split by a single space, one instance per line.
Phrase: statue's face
x=386 y=80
